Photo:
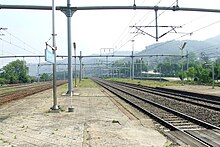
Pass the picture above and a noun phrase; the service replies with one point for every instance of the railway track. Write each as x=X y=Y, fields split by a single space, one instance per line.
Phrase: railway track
x=15 y=87
x=8 y=93
x=181 y=126
x=196 y=106
x=210 y=101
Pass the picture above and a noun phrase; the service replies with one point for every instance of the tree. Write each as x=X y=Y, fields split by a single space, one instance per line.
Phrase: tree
x=202 y=74
x=217 y=71
x=169 y=69
x=44 y=77
x=181 y=75
x=15 y=72
x=191 y=72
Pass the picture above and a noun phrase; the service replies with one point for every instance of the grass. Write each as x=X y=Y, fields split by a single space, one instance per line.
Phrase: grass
x=149 y=82
x=88 y=83
x=85 y=83
x=4 y=91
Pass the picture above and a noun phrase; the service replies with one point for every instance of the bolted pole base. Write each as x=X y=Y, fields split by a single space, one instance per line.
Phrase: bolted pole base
x=70 y=109
x=55 y=109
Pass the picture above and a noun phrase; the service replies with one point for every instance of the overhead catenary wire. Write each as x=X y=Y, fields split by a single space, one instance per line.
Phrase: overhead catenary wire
x=23 y=42
x=125 y=31
x=192 y=32
x=128 y=29
x=139 y=28
x=140 y=21
x=126 y=41
x=185 y=34
x=161 y=13
x=5 y=51
x=16 y=46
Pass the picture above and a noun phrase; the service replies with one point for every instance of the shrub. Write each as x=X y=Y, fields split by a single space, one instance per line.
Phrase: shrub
x=3 y=81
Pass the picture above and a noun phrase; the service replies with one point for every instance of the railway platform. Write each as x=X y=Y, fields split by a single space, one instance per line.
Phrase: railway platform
x=97 y=120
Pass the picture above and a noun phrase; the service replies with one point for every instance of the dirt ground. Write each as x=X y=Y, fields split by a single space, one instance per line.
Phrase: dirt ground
x=198 y=89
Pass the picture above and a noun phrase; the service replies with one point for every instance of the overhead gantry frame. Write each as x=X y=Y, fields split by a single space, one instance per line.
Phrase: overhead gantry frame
x=68 y=11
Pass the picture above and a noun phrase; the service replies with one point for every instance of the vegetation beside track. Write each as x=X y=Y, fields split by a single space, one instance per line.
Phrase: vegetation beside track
x=148 y=82
x=85 y=83
x=7 y=90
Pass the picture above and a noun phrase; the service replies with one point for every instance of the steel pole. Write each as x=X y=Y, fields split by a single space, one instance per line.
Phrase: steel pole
x=75 y=72
x=182 y=64
x=213 y=76
x=38 y=71
x=70 y=76
x=69 y=12
x=156 y=21
x=55 y=106
x=80 y=60
x=187 y=67
x=141 y=67
x=64 y=75
x=160 y=73
x=107 y=66
x=130 y=68
x=132 y=60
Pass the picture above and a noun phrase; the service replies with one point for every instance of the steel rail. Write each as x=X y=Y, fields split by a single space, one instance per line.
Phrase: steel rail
x=155 y=117
x=20 y=86
x=4 y=97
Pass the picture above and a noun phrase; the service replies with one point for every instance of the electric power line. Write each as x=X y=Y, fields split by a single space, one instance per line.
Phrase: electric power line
x=17 y=46
x=23 y=42
x=204 y=27
x=127 y=27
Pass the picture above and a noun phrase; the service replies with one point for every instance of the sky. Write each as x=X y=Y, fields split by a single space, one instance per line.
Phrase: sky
x=28 y=30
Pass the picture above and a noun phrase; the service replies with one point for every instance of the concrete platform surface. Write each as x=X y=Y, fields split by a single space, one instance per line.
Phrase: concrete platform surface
x=95 y=122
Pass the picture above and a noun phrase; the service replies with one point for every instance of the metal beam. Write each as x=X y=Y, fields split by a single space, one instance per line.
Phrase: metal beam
x=21 y=56
x=174 y=8
x=94 y=56
x=28 y=7
x=65 y=64
x=115 y=56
